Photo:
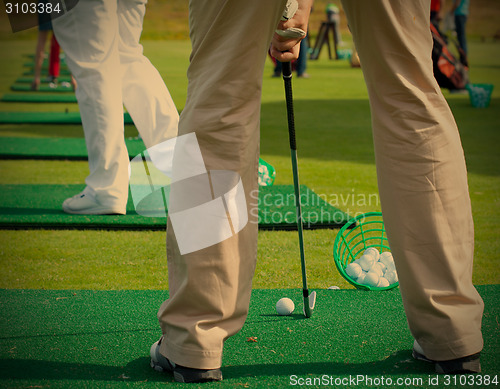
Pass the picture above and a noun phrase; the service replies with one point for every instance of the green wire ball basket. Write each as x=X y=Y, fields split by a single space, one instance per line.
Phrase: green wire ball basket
x=358 y=234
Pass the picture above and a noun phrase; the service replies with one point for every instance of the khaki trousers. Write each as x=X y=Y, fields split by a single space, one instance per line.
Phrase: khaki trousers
x=210 y=288
x=422 y=176
x=101 y=41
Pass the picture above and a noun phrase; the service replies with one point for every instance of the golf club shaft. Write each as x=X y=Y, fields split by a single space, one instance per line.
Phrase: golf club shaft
x=287 y=78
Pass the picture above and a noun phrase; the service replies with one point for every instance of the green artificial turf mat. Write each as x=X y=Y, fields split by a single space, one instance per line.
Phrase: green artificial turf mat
x=45 y=63
x=39 y=206
x=55 y=148
x=38 y=98
x=47 y=117
x=43 y=80
x=42 y=88
x=62 y=72
x=97 y=339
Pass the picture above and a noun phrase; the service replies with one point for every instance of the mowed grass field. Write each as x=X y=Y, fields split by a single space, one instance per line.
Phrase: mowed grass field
x=336 y=160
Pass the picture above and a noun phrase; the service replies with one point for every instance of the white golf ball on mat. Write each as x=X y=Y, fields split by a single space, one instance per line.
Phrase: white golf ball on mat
x=285 y=306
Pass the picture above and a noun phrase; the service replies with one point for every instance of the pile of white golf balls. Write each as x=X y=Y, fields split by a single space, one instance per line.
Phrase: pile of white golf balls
x=285 y=306
x=373 y=269
x=265 y=178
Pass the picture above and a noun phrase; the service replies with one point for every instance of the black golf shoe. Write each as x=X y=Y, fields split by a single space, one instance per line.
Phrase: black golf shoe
x=466 y=365
x=181 y=373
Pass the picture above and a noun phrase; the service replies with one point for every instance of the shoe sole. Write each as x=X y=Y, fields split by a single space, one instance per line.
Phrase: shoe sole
x=420 y=357
x=182 y=374
x=93 y=211
x=190 y=376
x=451 y=367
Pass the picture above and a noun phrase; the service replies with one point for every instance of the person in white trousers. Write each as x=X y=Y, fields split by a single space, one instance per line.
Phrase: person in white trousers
x=101 y=42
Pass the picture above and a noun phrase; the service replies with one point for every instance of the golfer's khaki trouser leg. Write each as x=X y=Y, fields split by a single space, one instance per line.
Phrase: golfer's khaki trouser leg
x=421 y=175
x=210 y=288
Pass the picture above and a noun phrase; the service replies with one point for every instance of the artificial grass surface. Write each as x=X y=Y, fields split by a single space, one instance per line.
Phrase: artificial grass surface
x=81 y=338
x=39 y=206
x=38 y=98
x=64 y=72
x=43 y=80
x=46 y=63
x=114 y=260
x=47 y=118
x=335 y=157
x=335 y=160
x=42 y=88
x=55 y=148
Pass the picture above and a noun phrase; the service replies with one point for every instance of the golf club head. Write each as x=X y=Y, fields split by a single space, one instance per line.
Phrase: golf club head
x=291 y=33
x=309 y=303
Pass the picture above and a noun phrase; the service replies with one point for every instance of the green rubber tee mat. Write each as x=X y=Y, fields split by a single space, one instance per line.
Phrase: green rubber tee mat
x=32 y=97
x=45 y=63
x=41 y=88
x=101 y=339
x=62 y=72
x=46 y=118
x=46 y=80
x=39 y=206
x=55 y=148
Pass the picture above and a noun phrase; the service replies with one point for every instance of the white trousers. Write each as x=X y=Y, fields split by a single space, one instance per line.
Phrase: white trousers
x=101 y=42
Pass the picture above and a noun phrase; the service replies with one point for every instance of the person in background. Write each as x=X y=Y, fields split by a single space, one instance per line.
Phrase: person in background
x=44 y=28
x=460 y=10
x=436 y=15
x=101 y=42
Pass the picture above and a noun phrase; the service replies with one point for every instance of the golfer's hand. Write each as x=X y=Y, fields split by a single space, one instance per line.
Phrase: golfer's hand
x=283 y=49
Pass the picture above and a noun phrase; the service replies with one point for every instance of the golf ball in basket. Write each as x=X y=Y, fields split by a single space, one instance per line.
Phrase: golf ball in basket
x=371 y=279
x=382 y=266
x=367 y=270
x=366 y=262
x=383 y=282
x=361 y=277
x=353 y=270
x=386 y=258
x=391 y=276
x=373 y=252
x=285 y=306
x=377 y=268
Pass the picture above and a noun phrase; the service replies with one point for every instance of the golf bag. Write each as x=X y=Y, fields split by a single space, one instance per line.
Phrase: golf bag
x=449 y=72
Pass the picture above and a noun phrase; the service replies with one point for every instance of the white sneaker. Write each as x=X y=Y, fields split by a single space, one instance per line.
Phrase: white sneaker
x=85 y=204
